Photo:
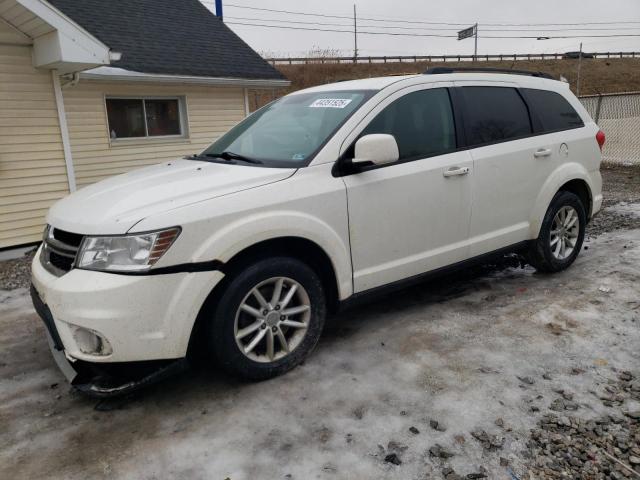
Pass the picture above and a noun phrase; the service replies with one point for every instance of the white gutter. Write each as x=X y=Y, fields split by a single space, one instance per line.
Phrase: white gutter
x=247 y=110
x=121 y=75
x=64 y=131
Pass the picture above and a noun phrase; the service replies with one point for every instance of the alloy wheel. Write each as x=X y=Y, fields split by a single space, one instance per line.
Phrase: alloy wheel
x=564 y=233
x=272 y=319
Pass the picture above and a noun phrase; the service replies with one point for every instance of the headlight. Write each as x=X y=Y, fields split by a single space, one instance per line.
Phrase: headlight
x=125 y=253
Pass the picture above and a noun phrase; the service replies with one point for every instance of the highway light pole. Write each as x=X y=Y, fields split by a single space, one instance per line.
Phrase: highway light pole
x=475 y=49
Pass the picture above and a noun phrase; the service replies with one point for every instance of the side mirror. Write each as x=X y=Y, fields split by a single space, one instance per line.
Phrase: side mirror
x=379 y=149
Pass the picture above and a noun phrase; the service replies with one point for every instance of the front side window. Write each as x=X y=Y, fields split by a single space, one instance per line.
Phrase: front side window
x=144 y=117
x=421 y=122
x=290 y=131
x=553 y=110
x=494 y=114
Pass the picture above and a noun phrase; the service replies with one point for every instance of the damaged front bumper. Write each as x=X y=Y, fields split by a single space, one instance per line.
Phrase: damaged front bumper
x=103 y=380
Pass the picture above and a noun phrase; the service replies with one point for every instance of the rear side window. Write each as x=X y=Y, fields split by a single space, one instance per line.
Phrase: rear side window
x=421 y=122
x=553 y=110
x=494 y=114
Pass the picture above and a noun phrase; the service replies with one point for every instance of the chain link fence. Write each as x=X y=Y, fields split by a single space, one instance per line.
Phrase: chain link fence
x=618 y=115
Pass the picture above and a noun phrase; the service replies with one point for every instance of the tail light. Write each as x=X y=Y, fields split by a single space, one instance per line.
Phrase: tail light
x=600 y=138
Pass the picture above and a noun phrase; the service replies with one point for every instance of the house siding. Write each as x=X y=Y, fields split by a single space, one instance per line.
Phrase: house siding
x=211 y=111
x=32 y=168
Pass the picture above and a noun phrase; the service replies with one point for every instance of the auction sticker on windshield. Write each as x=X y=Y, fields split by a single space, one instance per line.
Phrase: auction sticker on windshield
x=330 y=103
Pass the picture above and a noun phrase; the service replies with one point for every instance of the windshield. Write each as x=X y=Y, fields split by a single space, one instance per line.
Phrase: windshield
x=290 y=131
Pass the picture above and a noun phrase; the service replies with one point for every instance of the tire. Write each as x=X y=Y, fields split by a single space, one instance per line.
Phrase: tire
x=235 y=314
x=546 y=253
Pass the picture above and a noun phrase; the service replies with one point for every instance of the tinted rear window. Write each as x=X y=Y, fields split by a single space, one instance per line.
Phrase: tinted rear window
x=494 y=114
x=553 y=110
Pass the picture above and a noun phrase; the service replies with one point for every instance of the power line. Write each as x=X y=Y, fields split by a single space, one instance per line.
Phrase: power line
x=422 y=28
x=399 y=34
x=291 y=21
x=388 y=20
x=287 y=11
x=343 y=31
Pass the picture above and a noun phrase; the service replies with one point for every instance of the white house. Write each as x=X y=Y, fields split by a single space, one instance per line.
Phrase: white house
x=93 y=88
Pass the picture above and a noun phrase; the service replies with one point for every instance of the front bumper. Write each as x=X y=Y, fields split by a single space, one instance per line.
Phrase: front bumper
x=143 y=317
x=104 y=380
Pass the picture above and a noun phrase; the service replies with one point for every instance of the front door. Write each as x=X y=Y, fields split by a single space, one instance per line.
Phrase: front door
x=412 y=216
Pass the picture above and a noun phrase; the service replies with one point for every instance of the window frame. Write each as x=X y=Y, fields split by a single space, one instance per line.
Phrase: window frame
x=534 y=122
x=182 y=115
x=539 y=125
x=344 y=167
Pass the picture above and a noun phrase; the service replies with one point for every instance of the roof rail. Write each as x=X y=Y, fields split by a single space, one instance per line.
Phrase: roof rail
x=443 y=70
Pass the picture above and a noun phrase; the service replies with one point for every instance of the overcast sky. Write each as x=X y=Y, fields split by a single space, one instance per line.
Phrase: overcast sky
x=284 y=42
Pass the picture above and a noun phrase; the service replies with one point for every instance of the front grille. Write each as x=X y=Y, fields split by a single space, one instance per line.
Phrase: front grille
x=72 y=239
x=63 y=263
x=59 y=250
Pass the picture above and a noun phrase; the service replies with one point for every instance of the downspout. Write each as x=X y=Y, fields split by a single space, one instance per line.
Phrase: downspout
x=247 y=109
x=64 y=131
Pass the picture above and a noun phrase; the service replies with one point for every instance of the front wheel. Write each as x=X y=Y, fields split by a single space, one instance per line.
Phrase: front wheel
x=561 y=234
x=268 y=319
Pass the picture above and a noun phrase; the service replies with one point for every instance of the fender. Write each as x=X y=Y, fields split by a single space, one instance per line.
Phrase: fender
x=245 y=232
x=561 y=175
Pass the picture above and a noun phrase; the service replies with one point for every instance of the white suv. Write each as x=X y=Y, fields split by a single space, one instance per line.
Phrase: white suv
x=321 y=197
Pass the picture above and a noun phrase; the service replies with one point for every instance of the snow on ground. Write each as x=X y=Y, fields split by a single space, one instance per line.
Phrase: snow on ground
x=464 y=351
x=624 y=208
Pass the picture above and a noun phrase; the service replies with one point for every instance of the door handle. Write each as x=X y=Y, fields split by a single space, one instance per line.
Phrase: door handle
x=543 y=152
x=454 y=171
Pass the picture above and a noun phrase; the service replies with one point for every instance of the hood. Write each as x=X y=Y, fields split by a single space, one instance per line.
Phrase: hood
x=115 y=205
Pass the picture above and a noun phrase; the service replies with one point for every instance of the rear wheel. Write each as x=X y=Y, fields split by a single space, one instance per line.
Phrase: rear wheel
x=561 y=234
x=268 y=319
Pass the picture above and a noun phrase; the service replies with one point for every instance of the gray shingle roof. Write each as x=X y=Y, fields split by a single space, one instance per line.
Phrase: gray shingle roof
x=175 y=37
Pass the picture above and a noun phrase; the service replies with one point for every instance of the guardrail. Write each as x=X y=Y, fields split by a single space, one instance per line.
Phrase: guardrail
x=449 y=58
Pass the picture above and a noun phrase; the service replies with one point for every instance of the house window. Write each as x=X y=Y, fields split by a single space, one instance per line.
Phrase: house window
x=145 y=117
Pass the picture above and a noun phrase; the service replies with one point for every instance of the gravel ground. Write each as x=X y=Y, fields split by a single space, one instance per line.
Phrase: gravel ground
x=621 y=186
x=500 y=373
x=16 y=273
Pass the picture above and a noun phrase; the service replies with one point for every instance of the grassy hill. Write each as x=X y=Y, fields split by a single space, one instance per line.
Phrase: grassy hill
x=597 y=75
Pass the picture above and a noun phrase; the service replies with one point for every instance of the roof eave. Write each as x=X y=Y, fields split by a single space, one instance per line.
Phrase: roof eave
x=67 y=47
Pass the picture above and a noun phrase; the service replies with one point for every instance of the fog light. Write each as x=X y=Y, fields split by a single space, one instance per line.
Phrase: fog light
x=91 y=343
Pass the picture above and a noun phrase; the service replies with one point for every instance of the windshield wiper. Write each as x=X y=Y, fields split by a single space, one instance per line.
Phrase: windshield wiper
x=233 y=156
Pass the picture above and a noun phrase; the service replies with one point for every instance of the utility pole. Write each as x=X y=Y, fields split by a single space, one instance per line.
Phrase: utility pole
x=579 y=68
x=355 y=35
x=475 y=50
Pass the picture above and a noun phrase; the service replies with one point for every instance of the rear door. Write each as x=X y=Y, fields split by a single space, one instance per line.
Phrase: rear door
x=558 y=124
x=510 y=163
